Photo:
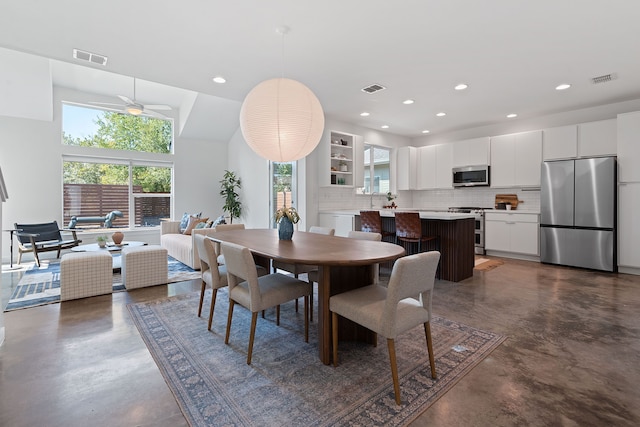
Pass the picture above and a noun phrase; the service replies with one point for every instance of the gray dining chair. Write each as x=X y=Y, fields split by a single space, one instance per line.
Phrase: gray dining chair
x=225 y=227
x=393 y=310
x=259 y=293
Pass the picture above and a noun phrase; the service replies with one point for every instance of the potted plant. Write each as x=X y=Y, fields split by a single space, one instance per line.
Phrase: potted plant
x=285 y=218
x=390 y=198
x=228 y=186
x=102 y=240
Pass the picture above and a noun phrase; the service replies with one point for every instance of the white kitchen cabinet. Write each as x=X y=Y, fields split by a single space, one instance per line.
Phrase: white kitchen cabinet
x=515 y=160
x=597 y=138
x=628 y=225
x=406 y=168
x=560 y=143
x=444 y=164
x=426 y=168
x=471 y=152
x=628 y=127
x=341 y=223
x=512 y=232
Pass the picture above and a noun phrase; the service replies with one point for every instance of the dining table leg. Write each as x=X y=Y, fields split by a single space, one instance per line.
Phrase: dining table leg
x=324 y=314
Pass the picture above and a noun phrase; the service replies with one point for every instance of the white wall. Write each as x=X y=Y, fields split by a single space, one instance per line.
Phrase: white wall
x=31 y=157
x=253 y=172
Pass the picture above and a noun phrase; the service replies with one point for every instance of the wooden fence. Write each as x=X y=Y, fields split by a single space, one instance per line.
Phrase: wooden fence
x=96 y=200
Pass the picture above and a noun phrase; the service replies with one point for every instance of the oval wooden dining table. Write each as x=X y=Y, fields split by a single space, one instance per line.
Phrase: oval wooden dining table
x=343 y=264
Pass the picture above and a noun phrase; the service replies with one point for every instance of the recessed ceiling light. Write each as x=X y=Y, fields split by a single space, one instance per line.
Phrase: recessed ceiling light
x=219 y=79
x=441 y=114
x=408 y=101
x=425 y=131
x=511 y=116
x=563 y=86
x=385 y=126
x=364 y=114
x=461 y=86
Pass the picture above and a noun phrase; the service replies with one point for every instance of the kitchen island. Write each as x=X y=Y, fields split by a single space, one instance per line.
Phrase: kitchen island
x=456 y=232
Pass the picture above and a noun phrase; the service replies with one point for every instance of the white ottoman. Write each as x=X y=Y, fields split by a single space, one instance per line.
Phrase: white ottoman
x=144 y=266
x=85 y=274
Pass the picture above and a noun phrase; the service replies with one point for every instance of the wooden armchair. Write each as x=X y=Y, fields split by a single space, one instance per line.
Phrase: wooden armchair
x=43 y=237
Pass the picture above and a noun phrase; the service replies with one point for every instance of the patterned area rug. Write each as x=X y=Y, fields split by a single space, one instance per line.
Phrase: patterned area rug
x=41 y=285
x=286 y=384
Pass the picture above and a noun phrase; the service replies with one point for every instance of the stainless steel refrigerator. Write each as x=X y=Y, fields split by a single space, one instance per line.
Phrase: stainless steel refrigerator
x=578 y=200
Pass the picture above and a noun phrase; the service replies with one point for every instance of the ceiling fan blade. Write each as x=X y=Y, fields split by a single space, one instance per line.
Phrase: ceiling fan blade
x=157 y=107
x=126 y=100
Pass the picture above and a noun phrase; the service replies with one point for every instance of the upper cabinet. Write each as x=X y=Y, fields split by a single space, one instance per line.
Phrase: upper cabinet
x=515 y=160
x=597 y=138
x=426 y=168
x=471 y=152
x=590 y=139
x=560 y=143
x=444 y=164
x=628 y=127
x=406 y=168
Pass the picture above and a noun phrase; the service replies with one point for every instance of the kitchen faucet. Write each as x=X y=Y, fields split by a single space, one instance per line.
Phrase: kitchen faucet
x=371 y=199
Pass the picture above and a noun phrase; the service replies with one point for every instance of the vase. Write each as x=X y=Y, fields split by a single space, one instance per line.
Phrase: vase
x=285 y=229
x=117 y=237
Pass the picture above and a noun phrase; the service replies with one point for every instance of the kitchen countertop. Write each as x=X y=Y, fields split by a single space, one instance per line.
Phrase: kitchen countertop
x=446 y=216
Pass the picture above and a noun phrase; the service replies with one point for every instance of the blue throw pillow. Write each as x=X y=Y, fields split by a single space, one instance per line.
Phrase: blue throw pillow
x=219 y=220
x=185 y=220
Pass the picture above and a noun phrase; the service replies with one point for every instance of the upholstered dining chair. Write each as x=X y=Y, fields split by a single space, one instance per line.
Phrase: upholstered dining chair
x=225 y=227
x=394 y=310
x=259 y=293
x=371 y=221
x=362 y=235
x=409 y=231
x=298 y=269
x=213 y=275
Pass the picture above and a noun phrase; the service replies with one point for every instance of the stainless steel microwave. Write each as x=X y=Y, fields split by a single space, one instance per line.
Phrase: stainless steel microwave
x=471 y=176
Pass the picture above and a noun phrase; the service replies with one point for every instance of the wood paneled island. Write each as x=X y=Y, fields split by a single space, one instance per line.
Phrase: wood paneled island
x=456 y=232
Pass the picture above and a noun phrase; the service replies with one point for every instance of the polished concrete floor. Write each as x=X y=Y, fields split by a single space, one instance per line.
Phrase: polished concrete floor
x=572 y=357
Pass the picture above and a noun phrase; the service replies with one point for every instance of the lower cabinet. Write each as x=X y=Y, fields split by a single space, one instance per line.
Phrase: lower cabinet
x=512 y=232
x=342 y=223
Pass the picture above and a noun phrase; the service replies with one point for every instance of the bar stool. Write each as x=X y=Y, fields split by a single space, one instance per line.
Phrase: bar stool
x=409 y=231
x=371 y=222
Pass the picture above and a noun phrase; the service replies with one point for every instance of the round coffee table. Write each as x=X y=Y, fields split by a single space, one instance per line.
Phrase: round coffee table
x=111 y=248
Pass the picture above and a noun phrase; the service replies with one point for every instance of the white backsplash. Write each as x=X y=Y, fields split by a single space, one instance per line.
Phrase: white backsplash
x=331 y=198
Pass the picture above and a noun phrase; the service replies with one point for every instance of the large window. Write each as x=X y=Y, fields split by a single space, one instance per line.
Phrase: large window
x=376 y=169
x=106 y=180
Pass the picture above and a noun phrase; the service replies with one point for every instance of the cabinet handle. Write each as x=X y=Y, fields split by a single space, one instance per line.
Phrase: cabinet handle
x=510 y=222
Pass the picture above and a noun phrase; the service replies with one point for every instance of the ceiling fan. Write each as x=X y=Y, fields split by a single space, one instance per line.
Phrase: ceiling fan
x=131 y=106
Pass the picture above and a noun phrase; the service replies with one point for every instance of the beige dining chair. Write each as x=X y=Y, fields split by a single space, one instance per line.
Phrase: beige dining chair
x=361 y=235
x=213 y=275
x=298 y=269
x=225 y=227
x=259 y=293
x=393 y=310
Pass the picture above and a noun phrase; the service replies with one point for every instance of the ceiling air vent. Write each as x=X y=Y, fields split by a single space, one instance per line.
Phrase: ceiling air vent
x=373 y=88
x=90 y=57
x=603 y=79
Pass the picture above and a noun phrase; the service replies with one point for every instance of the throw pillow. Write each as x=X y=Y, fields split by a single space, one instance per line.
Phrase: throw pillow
x=219 y=220
x=201 y=225
x=185 y=220
x=193 y=221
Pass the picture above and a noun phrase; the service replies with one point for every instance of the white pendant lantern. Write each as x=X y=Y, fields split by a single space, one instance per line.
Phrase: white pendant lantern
x=282 y=120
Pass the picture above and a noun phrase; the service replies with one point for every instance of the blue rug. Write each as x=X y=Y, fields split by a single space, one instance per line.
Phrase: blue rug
x=41 y=285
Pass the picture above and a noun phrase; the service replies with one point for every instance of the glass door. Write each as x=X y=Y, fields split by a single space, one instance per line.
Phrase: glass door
x=284 y=189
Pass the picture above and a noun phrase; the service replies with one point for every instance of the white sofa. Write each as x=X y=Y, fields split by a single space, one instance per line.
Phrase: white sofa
x=182 y=246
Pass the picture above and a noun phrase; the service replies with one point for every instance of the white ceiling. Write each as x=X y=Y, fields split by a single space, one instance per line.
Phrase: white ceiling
x=511 y=53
